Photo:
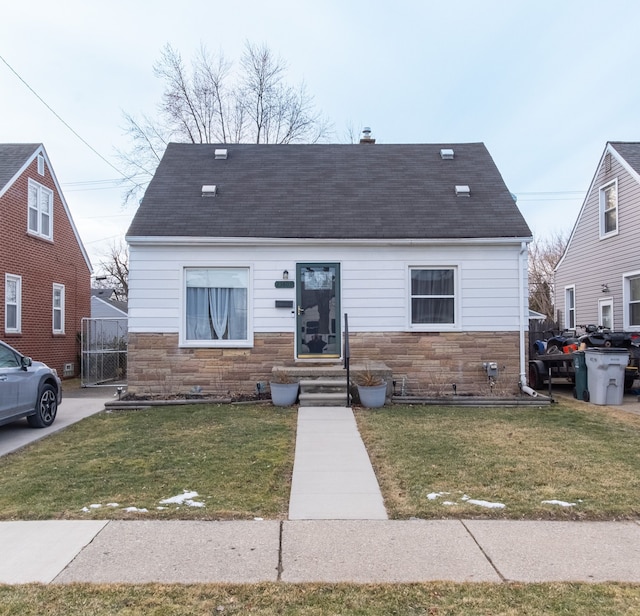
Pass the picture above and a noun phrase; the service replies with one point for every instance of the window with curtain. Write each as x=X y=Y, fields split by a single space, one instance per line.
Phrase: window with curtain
x=570 y=308
x=217 y=304
x=58 y=309
x=433 y=296
x=609 y=209
x=633 y=301
x=12 y=304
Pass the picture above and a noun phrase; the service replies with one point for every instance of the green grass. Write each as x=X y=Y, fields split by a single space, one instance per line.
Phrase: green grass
x=439 y=599
x=515 y=456
x=238 y=458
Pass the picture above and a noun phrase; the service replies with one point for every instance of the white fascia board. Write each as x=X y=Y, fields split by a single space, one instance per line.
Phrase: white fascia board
x=261 y=241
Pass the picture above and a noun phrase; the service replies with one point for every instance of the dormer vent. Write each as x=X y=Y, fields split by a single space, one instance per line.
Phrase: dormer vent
x=446 y=154
x=220 y=154
x=463 y=191
x=209 y=190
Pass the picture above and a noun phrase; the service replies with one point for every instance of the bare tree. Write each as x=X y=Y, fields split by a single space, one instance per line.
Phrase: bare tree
x=115 y=268
x=544 y=255
x=211 y=103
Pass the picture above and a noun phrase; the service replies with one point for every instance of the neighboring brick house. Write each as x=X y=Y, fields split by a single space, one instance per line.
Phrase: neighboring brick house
x=45 y=273
x=245 y=256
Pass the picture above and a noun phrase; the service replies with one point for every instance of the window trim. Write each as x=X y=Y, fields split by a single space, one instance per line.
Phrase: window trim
x=58 y=288
x=18 y=280
x=431 y=327
x=626 y=301
x=567 y=322
x=601 y=209
x=187 y=343
x=41 y=192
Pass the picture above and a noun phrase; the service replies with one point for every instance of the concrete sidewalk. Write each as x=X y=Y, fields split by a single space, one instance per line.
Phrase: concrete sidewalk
x=362 y=551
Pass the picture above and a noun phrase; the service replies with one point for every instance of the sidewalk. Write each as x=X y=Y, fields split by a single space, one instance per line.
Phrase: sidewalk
x=332 y=478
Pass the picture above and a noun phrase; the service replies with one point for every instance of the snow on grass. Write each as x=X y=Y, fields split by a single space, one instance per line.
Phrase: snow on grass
x=186 y=498
x=559 y=503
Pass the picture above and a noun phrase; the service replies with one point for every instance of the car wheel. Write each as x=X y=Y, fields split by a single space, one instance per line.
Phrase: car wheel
x=46 y=408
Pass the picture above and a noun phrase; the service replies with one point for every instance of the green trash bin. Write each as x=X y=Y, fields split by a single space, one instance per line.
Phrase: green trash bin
x=580 y=391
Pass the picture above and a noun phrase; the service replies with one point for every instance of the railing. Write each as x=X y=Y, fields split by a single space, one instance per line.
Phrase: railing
x=347 y=355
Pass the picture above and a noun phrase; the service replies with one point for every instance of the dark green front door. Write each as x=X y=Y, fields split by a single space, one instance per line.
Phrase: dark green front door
x=318 y=310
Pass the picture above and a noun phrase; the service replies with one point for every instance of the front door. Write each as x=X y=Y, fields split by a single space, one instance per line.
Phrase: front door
x=318 y=310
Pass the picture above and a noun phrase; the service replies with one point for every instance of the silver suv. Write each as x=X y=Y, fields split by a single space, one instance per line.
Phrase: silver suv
x=27 y=389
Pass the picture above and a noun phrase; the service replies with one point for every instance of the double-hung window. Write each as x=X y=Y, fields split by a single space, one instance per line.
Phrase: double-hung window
x=433 y=296
x=40 y=210
x=12 y=304
x=217 y=306
x=632 y=301
x=58 y=309
x=570 y=308
x=609 y=209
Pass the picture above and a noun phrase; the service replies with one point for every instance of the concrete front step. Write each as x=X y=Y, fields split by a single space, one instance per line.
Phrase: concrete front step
x=323 y=398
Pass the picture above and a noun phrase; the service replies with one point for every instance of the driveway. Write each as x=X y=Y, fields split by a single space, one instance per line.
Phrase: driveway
x=76 y=405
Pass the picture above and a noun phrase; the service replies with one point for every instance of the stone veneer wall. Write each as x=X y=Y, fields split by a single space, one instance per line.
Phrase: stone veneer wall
x=429 y=363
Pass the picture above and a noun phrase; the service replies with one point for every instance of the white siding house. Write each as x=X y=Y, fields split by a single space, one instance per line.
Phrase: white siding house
x=249 y=259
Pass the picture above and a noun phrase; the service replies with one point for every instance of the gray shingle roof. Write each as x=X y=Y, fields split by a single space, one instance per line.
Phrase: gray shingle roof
x=12 y=157
x=328 y=191
x=630 y=152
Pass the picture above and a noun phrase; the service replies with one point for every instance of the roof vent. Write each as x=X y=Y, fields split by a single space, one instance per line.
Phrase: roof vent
x=209 y=190
x=446 y=154
x=366 y=136
x=220 y=154
x=463 y=191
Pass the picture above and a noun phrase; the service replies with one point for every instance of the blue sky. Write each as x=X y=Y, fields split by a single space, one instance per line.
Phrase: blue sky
x=543 y=84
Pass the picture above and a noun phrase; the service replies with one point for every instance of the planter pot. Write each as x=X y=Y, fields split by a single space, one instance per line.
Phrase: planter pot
x=284 y=394
x=372 y=396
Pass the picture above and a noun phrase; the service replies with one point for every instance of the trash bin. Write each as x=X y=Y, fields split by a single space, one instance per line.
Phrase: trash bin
x=580 y=391
x=605 y=374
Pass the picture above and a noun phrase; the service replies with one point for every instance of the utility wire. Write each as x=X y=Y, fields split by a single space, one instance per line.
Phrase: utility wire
x=65 y=123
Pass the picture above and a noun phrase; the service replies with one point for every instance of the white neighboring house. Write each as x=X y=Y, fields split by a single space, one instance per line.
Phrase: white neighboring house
x=597 y=280
x=243 y=257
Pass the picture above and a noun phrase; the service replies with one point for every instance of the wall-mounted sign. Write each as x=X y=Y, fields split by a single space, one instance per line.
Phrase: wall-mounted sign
x=284 y=284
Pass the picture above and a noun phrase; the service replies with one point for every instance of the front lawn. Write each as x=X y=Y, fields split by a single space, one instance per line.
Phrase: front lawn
x=464 y=462
x=238 y=459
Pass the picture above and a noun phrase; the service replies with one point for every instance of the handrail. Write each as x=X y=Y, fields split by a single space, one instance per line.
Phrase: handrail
x=347 y=355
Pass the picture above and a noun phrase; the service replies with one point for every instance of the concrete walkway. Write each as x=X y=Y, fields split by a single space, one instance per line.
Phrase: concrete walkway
x=332 y=474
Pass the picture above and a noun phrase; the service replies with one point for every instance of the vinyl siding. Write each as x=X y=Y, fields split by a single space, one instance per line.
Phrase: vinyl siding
x=374 y=283
x=589 y=261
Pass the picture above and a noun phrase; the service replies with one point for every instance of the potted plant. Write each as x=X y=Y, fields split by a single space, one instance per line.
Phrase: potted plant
x=284 y=390
x=372 y=389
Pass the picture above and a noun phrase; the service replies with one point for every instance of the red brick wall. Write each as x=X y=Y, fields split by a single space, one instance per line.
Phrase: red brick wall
x=42 y=263
x=429 y=362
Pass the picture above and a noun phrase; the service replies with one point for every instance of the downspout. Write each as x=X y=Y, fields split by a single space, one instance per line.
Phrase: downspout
x=523 y=319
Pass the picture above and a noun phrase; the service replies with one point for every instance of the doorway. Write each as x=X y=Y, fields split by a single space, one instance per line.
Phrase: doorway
x=318 y=310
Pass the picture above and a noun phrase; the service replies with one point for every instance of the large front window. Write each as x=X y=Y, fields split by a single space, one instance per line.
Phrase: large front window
x=217 y=304
x=432 y=296
x=40 y=210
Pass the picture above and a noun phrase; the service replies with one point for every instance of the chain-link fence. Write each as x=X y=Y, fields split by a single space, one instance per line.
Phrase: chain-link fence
x=104 y=352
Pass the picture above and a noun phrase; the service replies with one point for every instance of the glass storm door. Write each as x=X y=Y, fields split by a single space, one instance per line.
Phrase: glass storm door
x=318 y=310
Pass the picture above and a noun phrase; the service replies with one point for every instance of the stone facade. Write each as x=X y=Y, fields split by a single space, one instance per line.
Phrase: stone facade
x=423 y=364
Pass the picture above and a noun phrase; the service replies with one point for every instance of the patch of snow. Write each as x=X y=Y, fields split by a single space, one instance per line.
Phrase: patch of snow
x=162 y=508
x=465 y=497
x=113 y=505
x=85 y=509
x=487 y=504
x=558 y=502
x=258 y=519
x=135 y=510
x=448 y=503
x=183 y=499
x=95 y=506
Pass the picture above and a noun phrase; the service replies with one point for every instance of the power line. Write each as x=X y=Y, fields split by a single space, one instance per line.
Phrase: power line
x=65 y=123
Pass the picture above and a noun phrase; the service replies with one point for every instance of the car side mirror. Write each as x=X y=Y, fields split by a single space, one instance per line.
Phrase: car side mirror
x=25 y=362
